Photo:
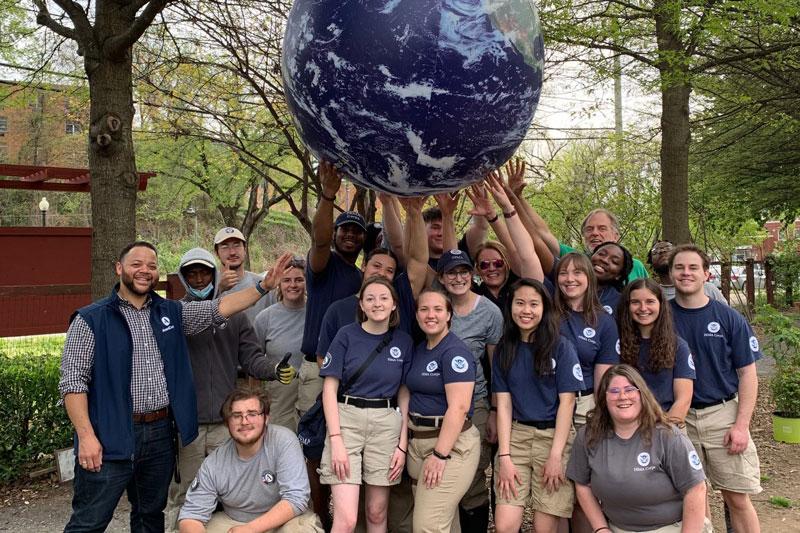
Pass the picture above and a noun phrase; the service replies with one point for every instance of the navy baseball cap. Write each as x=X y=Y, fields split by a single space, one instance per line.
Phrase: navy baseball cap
x=351 y=217
x=452 y=259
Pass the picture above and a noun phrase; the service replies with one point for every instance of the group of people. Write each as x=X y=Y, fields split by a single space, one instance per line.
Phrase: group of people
x=600 y=398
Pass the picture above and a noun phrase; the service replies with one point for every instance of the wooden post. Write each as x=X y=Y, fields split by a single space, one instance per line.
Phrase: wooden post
x=725 y=273
x=750 y=284
x=769 y=281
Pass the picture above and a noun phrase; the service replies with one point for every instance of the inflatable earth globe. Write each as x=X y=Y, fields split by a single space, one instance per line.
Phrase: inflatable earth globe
x=413 y=97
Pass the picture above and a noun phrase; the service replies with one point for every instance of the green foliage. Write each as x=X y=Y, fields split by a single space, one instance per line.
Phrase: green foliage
x=32 y=424
x=786 y=269
x=782 y=342
x=780 y=501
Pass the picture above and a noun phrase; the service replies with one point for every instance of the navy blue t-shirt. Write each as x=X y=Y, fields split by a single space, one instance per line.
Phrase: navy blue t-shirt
x=721 y=342
x=595 y=345
x=352 y=346
x=338 y=280
x=661 y=382
x=609 y=298
x=450 y=361
x=534 y=397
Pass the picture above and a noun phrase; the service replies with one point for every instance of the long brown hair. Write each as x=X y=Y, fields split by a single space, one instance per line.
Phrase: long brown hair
x=591 y=303
x=663 y=340
x=394 y=316
x=599 y=424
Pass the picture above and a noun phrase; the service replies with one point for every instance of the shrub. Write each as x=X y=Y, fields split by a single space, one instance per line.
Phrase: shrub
x=782 y=342
x=32 y=424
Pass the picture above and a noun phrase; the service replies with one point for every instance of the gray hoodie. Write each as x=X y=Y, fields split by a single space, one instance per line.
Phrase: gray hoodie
x=216 y=352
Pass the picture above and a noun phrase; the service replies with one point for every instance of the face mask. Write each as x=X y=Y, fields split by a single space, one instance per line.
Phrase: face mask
x=202 y=293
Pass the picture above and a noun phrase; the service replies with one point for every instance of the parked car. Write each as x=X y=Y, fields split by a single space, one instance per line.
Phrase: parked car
x=739 y=276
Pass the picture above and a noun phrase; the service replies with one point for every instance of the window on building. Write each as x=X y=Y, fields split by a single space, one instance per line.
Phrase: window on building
x=3 y=152
x=3 y=125
x=72 y=128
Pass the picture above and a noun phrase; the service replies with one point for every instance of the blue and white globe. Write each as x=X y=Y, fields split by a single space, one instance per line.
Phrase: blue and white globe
x=413 y=97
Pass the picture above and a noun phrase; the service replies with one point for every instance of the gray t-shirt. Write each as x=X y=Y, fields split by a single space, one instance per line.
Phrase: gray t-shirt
x=250 y=488
x=709 y=289
x=280 y=330
x=249 y=280
x=481 y=326
x=639 y=487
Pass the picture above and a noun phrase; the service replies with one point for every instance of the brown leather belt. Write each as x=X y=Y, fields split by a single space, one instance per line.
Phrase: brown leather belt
x=434 y=433
x=152 y=416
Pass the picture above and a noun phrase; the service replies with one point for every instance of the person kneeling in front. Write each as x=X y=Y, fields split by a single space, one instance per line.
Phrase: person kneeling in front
x=258 y=476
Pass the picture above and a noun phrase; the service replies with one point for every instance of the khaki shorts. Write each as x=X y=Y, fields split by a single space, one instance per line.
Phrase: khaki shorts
x=583 y=404
x=677 y=527
x=370 y=437
x=436 y=509
x=307 y=522
x=530 y=448
x=310 y=386
x=706 y=429
x=283 y=403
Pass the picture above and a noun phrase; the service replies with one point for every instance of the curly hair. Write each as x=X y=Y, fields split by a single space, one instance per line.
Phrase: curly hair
x=627 y=264
x=591 y=303
x=663 y=340
x=599 y=424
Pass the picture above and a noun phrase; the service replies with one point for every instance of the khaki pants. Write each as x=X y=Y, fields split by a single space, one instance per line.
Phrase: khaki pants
x=283 y=408
x=305 y=523
x=209 y=438
x=436 y=509
x=478 y=493
x=309 y=386
x=583 y=404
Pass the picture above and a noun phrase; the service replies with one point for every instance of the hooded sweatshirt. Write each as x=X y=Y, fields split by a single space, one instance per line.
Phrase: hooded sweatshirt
x=216 y=352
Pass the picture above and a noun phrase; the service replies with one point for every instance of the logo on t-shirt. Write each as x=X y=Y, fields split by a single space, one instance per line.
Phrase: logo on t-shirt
x=165 y=320
x=576 y=371
x=553 y=361
x=754 y=343
x=433 y=366
x=267 y=477
x=616 y=347
x=459 y=364
x=713 y=327
x=327 y=360
x=589 y=333
x=195 y=483
x=643 y=459
x=691 y=361
x=395 y=352
x=608 y=309
x=694 y=460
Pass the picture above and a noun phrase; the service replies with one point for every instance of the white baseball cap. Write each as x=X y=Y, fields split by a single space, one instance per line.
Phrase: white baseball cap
x=228 y=233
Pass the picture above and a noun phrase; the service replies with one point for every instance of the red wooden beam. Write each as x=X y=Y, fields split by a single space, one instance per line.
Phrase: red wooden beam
x=53 y=178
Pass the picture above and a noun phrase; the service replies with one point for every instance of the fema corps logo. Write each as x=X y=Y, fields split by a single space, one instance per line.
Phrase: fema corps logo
x=691 y=361
x=589 y=333
x=643 y=459
x=433 y=366
x=166 y=322
x=608 y=309
x=616 y=347
x=327 y=361
x=694 y=460
x=459 y=364
x=713 y=327
x=267 y=477
x=576 y=371
x=395 y=352
x=754 y=343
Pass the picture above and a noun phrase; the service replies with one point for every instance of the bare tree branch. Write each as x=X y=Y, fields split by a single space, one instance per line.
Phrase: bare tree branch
x=117 y=45
x=44 y=18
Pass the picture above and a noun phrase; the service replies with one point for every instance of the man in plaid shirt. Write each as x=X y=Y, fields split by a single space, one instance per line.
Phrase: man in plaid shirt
x=125 y=380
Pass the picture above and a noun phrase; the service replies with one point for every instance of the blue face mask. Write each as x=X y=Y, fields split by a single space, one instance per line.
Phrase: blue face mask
x=202 y=293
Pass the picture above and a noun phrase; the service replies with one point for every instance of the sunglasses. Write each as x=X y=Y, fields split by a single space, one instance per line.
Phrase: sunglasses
x=496 y=263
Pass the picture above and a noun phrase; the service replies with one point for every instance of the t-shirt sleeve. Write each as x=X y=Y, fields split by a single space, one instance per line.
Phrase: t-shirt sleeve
x=459 y=365
x=578 y=469
x=569 y=376
x=327 y=331
x=333 y=363
x=564 y=249
x=261 y=326
x=499 y=383
x=684 y=363
x=292 y=477
x=682 y=463
x=495 y=330
x=744 y=344
x=201 y=498
x=609 y=341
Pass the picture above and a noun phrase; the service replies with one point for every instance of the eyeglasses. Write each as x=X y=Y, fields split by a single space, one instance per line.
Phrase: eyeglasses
x=231 y=246
x=628 y=390
x=238 y=417
x=496 y=263
x=453 y=274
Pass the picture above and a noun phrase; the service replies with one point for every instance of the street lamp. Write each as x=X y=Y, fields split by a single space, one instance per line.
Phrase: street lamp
x=192 y=212
x=44 y=205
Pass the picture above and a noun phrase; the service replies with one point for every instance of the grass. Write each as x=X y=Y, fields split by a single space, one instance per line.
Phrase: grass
x=32 y=345
x=780 y=501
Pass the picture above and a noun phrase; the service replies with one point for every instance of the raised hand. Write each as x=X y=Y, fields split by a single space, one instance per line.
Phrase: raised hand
x=412 y=204
x=447 y=203
x=495 y=185
x=329 y=179
x=515 y=170
x=481 y=204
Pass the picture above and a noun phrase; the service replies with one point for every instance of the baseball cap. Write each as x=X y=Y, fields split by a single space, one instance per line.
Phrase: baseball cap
x=228 y=233
x=351 y=217
x=452 y=259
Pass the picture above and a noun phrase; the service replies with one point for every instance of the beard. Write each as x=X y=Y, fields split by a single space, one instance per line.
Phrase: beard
x=246 y=441
x=131 y=286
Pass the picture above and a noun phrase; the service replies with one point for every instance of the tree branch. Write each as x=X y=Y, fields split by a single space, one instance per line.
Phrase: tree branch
x=83 y=30
x=44 y=18
x=116 y=46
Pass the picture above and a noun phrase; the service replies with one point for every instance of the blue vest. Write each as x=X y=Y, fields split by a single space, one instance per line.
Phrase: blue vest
x=110 y=402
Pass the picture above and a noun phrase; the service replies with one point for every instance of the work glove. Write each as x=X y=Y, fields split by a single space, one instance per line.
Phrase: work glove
x=285 y=372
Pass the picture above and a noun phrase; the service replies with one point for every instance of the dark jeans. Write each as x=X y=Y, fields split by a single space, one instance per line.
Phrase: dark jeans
x=146 y=479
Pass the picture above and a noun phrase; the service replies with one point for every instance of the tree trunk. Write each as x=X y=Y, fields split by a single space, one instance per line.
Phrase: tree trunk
x=114 y=180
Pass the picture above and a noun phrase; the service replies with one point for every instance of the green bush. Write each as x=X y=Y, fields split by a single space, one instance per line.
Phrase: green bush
x=782 y=342
x=786 y=392
x=32 y=424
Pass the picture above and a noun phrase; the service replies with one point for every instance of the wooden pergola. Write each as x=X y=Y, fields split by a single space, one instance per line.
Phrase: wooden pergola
x=40 y=178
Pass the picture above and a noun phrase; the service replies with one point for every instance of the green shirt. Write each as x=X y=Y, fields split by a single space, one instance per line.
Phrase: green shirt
x=639 y=271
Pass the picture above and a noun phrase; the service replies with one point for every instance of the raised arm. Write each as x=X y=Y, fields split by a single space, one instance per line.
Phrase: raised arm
x=322 y=225
x=448 y=204
x=515 y=170
x=416 y=243
x=482 y=207
x=393 y=228
x=237 y=301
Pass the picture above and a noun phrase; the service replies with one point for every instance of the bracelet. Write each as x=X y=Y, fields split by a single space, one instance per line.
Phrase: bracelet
x=510 y=213
x=331 y=199
x=402 y=450
x=440 y=456
x=503 y=455
x=602 y=529
x=334 y=435
x=493 y=220
x=261 y=290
